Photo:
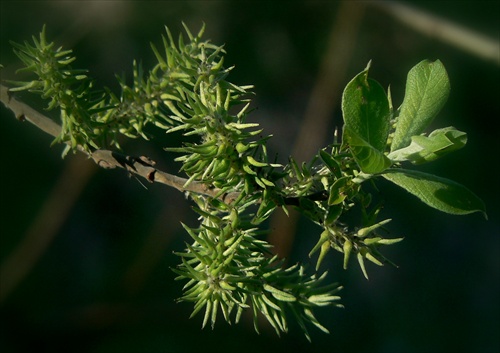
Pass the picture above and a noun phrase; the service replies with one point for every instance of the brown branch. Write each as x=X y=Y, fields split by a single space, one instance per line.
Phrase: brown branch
x=141 y=166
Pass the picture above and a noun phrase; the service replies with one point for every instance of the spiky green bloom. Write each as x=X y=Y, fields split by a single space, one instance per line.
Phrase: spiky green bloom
x=67 y=89
x=229 y=269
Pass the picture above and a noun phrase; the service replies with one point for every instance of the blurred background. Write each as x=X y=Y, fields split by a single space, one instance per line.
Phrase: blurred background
x=85 y=253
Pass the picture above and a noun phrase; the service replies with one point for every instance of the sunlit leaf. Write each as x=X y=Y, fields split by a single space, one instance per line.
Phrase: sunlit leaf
x=427 y=89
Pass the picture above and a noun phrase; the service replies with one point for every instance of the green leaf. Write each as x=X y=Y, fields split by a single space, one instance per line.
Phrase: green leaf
x=427 y=89
x=440 y=193
x=369 y=159
x=429 y=148
x=365 y=108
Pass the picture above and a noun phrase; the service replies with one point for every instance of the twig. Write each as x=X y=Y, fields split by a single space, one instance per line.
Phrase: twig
x=141 y=166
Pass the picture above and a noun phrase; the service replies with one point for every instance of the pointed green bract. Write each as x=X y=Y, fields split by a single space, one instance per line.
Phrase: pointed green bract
x=427 y=89
x=440 y=193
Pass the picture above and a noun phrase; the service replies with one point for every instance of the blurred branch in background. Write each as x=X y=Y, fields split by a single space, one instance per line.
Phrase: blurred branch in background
x=327 y=89
x=444 y=30
x=322 y=102
x=153 y=249
x=46 y=225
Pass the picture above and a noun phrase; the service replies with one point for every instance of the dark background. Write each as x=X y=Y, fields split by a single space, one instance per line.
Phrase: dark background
x=100 y=246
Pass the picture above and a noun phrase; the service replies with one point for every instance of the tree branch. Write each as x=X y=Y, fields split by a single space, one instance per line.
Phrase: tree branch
x=141 y=166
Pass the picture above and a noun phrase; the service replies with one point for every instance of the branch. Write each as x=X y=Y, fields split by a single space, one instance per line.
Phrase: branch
x=141 y=166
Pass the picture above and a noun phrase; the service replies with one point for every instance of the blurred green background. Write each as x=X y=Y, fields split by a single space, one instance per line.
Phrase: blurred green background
x=86 y=253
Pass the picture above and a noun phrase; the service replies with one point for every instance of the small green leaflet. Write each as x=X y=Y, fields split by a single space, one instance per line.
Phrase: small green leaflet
x=427 y=89
x=439 y=193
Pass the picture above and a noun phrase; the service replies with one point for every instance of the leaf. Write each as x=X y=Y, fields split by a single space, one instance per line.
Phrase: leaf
x=369 y=159
x=440 y=193
x=427 y=89
x=365 y=108
x=424 y=149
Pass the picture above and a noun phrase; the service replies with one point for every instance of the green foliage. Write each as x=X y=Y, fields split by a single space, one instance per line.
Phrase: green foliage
x=227 y=266
x=427 y=89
